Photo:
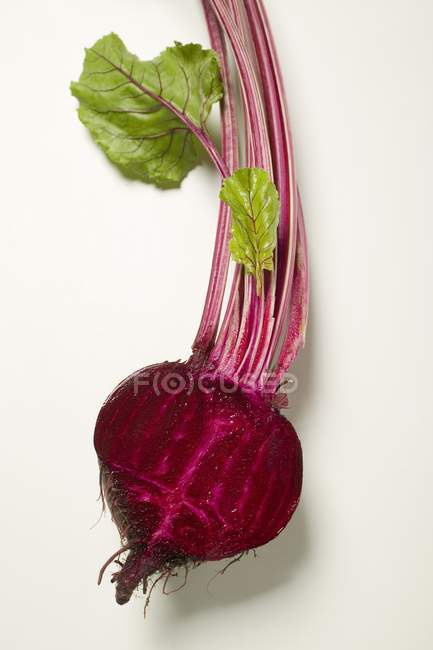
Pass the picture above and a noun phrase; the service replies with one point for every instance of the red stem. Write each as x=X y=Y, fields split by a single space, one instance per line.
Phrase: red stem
x=259 y=334
x=286 y=336
x=232 y=359
x=220 y=263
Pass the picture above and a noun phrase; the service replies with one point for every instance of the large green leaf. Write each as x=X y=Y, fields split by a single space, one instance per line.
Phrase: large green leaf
x=255 y=206
x=140 y=112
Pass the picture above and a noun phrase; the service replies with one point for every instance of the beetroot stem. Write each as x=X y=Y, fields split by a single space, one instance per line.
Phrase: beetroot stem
x=258 y=154
x=220 y=263
x=261 y=329
x=285 y=178
x=260 y=335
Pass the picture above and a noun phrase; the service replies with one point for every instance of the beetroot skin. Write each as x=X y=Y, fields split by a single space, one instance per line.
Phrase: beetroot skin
x=192 y=470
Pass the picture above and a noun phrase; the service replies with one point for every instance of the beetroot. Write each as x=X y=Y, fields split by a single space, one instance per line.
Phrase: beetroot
x=196 y=462
x=193 y=474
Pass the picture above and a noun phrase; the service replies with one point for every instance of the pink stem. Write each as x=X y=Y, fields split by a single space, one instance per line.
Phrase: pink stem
x=228 y=334
x=295 y=336
x=284 y=165
x=218 y=277
x=260 y=337
x=260 y=325
x=249 y=86
x=249 y=333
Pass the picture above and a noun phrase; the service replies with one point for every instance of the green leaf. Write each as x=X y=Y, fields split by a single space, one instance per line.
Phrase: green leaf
x=255 y=205
x=141 y=112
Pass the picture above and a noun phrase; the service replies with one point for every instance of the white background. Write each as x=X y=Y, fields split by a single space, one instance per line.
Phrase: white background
x=101 y=276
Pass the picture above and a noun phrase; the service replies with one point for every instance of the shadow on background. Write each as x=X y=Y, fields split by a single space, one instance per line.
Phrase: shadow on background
x=303 y=370
x=251 y=577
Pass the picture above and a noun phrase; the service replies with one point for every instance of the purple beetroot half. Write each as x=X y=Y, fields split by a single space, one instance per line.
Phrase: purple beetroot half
x=193 y=468
x=196 y=462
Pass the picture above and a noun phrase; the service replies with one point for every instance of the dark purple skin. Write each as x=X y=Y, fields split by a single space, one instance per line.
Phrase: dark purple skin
x=191 y=471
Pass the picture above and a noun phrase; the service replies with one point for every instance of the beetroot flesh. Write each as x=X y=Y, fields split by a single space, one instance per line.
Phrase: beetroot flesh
x=192 y=472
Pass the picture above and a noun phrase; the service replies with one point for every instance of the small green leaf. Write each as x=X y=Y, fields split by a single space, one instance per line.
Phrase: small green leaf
x=255 y=205
x=134 y=109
